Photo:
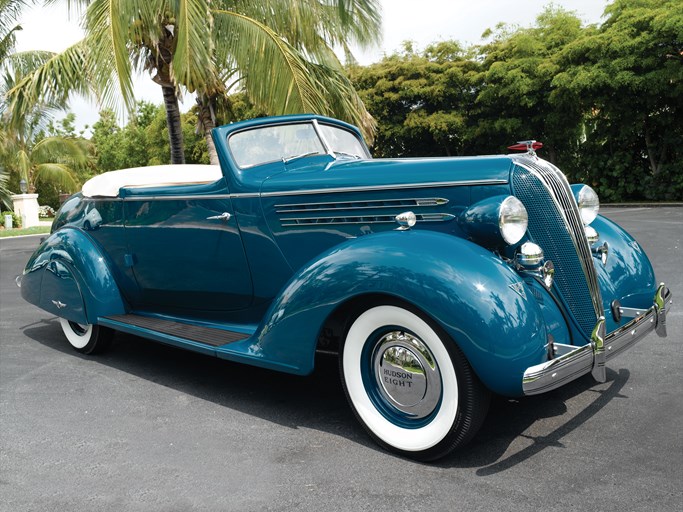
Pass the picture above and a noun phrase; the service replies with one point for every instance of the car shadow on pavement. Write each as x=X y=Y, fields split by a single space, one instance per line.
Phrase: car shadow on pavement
x=503 y=442
x=514 y=430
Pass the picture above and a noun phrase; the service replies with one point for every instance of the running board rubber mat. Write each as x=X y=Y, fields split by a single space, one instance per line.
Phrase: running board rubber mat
x=205 y=335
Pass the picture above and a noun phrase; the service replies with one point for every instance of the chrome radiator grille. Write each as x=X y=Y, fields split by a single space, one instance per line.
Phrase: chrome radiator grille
x=555 y=224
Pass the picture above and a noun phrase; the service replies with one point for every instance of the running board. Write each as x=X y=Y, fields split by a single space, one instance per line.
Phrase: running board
x=233 y=343
x=189 y=332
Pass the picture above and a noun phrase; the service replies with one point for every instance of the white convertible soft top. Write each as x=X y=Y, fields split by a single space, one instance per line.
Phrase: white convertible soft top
x=109 y=183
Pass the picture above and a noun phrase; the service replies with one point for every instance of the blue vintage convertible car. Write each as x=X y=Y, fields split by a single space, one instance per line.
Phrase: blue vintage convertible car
x=436 y=281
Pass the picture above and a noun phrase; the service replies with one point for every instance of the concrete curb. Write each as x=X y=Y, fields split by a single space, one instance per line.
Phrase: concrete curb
x=13 y=237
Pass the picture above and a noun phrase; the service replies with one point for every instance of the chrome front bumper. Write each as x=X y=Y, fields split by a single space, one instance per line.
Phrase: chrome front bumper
x=572 y=362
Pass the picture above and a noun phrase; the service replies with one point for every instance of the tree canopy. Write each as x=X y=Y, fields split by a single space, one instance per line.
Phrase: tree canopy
x=606 y=101
x=280 y=53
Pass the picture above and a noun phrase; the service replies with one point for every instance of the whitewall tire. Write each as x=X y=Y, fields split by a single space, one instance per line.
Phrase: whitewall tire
x=86 y=338
x=409 y=384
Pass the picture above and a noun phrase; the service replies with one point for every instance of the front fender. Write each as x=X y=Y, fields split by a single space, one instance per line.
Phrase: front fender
x=69 y=276
x=473 y=295
x=627 y=274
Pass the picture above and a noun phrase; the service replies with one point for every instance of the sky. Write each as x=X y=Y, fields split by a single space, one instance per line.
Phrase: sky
x=421 y=21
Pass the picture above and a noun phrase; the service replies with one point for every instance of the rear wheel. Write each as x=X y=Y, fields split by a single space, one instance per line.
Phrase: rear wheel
x=409 y=384
x=87 y=338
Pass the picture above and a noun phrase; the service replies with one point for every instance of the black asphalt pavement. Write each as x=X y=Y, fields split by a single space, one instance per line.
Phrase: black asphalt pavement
x=147 y=427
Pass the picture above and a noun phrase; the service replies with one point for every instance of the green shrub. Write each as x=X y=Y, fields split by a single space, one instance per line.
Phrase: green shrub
x=16 y=220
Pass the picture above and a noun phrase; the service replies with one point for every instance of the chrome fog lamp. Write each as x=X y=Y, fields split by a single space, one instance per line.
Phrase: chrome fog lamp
x=512 y=220
x=589 y=204
x=548 y=274
x=529 y=260
x=591 y=235
x=529 y=255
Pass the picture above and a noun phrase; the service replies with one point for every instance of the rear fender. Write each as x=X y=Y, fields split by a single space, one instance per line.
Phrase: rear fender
x=69 y=276
x=473 y=295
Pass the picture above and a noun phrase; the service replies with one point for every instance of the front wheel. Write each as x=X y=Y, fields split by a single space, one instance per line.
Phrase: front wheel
x=86 y=338
x=409 y=384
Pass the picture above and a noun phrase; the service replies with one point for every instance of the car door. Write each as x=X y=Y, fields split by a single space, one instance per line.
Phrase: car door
x=186 y=251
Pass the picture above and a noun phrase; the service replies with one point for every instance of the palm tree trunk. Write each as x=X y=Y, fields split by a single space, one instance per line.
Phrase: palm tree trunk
x=206 y=124
x=175 y=132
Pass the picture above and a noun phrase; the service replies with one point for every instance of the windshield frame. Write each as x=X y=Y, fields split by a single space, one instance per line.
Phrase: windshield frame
x=326 y=146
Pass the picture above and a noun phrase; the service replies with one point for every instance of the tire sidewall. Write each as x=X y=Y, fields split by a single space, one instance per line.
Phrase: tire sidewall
x=79 y=341
x=399 y=438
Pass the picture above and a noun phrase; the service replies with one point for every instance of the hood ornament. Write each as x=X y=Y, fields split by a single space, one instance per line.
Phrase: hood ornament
x=530 y=146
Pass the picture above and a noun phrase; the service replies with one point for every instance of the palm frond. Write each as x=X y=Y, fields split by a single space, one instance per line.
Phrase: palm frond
x=10 y=12
x=59 y=174
x=51 y=83
x=63 y=150
x=289 y=83
x=108 y=60
x=5 y=194
x=311 y=25
x=23 y=165
x=342 y=100
x=23 y=63
x=274 y=74
x=192 y=63
x=7 y=42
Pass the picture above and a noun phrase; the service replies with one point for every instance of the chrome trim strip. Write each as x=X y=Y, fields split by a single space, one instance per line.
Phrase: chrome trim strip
x=177 y=198
x=577 y=361
x=356 y=205
x=399 y=186
x=435 y=217
x=337 y=190
x=358 y=219
x=558 y=187
x=245 y=195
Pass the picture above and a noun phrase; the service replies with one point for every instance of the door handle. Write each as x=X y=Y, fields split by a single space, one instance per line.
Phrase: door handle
x=223 y=216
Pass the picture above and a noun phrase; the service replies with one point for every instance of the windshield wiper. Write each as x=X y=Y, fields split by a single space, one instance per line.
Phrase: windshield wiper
x=342 y=153
x=302 y=155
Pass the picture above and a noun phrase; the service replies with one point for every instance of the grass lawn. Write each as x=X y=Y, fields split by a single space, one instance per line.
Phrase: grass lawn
x=35 y=230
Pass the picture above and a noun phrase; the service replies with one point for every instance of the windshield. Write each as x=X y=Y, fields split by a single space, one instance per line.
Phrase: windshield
x=288 y=142
x=342 y=141
x=272 y=143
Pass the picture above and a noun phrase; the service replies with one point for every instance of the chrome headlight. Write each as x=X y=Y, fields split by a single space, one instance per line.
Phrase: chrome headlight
x=512 y=220
x=589 y=204
x=495 y=221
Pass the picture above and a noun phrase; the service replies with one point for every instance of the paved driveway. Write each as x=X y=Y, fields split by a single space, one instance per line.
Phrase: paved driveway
x=151 y=428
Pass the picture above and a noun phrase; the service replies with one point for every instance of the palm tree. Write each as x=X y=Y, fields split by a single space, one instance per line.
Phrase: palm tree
x=9 y=14
x=279 y=52
x=49 y=159
x=25 y=151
